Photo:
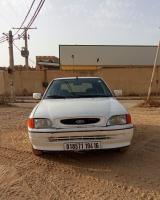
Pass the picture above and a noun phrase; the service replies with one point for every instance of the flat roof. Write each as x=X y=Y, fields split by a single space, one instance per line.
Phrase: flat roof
x=107 y=55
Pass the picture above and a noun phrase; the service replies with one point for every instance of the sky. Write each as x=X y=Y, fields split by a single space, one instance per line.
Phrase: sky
x=100 y=22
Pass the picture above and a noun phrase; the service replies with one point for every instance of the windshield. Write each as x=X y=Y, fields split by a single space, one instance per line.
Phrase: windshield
x=77 y=88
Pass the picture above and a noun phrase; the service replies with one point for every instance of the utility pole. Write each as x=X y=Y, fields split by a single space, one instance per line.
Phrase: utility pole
x=153 y=72
x=11 y=64
x=11 y=58
x=25 y=51
x=26 y=47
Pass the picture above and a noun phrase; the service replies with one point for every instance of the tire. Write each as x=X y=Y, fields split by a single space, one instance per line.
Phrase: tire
x=123 y=149
x=37 y=152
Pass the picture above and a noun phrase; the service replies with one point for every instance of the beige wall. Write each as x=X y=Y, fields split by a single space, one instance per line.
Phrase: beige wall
x=2 y=82
x=132 y=80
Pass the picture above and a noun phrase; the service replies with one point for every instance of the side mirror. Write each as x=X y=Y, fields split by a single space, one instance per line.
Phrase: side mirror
x=37 y=96
x=45 y=84
x=118 y=93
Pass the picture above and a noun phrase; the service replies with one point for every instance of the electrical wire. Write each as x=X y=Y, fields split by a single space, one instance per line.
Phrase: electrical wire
x=17 y=47
x=3 y=40
x=31 y=61
x=25 y=17
x=39 y=7
x=33 y=17
x=36 y=13
x=20 y=51
x=3 y=37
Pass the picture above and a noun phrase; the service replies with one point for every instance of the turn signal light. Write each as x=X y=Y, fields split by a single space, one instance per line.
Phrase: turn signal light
x=129 y=120
x=31 y=123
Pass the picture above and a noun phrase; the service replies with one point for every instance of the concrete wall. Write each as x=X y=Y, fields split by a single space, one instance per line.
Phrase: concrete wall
x=2 y=83
x=26 y=82
x=132 y=80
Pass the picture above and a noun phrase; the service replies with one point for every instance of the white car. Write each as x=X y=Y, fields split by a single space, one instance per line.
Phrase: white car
x=77 y=114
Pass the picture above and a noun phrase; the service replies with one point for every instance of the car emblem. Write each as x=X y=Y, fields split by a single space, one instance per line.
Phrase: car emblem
x=79 y=121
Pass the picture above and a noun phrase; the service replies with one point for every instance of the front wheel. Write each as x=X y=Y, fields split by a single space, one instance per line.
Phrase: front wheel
x=37 y=152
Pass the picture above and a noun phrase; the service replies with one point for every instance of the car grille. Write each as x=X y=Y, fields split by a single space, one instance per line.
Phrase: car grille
x=80 y=121
x=82 y=138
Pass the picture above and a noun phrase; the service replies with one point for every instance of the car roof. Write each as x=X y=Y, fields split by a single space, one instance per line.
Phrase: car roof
x=76 y=78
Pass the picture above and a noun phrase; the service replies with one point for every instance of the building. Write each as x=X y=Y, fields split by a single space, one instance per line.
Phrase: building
x=93 y=57
x=47 y=62
x=125 y=68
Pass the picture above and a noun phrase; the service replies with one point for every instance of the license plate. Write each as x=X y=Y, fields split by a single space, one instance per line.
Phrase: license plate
x=82 y=146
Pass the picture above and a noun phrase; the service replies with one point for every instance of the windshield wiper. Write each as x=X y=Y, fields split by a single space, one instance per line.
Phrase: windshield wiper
x=91 y=96
x=76 y=96
x=55 y=97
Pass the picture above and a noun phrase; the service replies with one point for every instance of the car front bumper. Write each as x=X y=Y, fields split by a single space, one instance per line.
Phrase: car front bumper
x=54 y=141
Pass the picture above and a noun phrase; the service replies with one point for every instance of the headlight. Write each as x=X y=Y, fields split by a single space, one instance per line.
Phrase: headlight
x=42 y=123
x=39 y=123
x=119 y=120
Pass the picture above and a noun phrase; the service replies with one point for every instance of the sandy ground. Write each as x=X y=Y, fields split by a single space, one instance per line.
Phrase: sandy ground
x=90 y=175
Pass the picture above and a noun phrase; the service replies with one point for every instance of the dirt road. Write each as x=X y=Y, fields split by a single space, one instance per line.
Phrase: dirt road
x=90 y=175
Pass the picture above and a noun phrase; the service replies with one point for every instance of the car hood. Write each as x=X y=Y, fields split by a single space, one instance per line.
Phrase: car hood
x=81 y=107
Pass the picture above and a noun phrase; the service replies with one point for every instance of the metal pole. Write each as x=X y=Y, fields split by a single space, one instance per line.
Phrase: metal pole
x=11 y=65
x=11 y=58
x=153 y=72
x=26 y=47
x=26 y=44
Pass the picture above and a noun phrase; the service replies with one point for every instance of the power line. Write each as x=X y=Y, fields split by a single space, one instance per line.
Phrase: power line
x=20 y=51
x=25 y=17
x=25 y=51
x=24 y=33
x=33 y=17
x=3 y=40
x=32 y=61
x=3 y=37
x=17 y=47
x=36 y=13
